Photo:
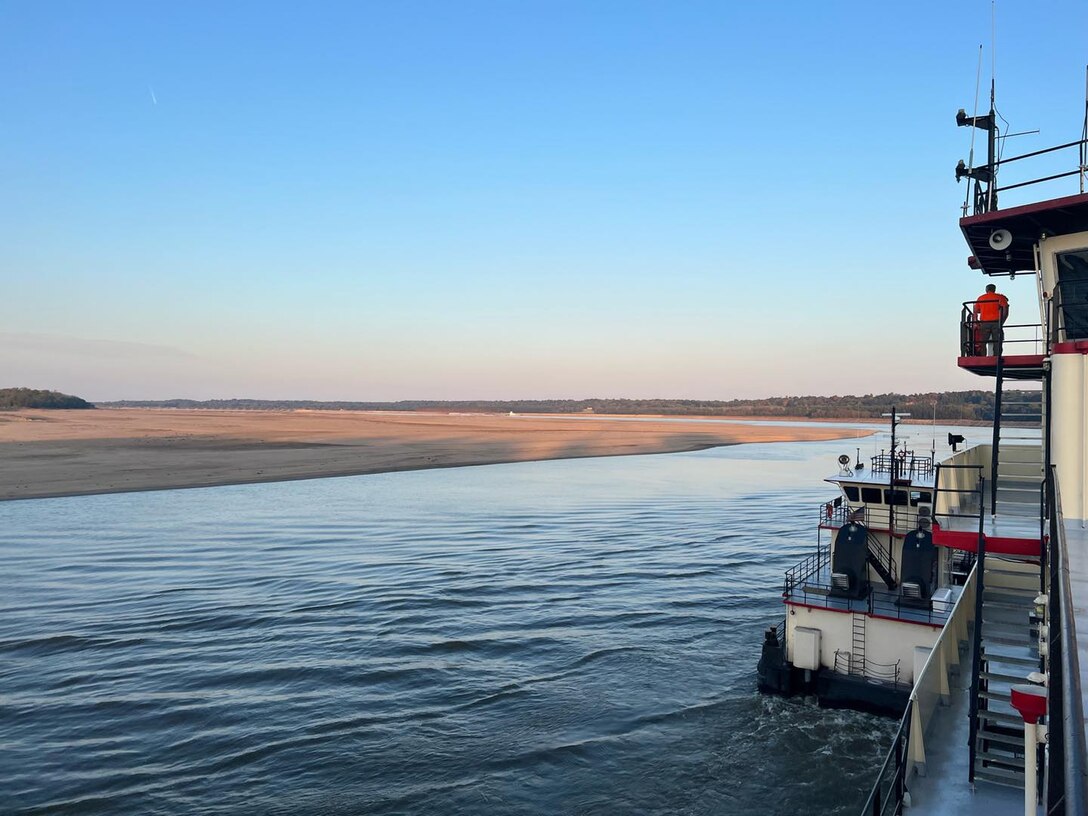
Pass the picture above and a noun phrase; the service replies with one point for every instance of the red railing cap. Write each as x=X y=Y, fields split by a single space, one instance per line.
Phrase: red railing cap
x=1030 y=701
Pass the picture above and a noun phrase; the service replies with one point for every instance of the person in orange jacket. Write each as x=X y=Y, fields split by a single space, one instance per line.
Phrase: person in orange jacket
x=991 y=312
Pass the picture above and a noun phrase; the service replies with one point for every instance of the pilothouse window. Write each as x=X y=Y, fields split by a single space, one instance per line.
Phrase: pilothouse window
x=896 y=497
x=871 y=495
x=1073 y=293
x=920 y=497
x=851 y=492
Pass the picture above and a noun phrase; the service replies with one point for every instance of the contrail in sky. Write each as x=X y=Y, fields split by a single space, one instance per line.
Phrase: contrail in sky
x=151 y=91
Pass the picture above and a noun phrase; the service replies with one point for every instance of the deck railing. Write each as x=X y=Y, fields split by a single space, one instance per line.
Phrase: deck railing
x=886 y=798
x=1017 y=338
x=932 y=688
x=816 y=591
x=958 y=488
x=1067 y=757
x=906 y=464
x=848 y=663
x=876 y=518
x=810 y=567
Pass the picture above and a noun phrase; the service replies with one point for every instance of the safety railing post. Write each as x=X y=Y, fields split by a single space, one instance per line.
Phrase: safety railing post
x=997 y=438
x=976 y=639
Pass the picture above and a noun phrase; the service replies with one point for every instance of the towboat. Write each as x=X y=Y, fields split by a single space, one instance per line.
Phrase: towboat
x=949 y=591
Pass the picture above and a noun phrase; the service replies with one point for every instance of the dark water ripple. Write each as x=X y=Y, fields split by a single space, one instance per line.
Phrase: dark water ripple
x=558 y=637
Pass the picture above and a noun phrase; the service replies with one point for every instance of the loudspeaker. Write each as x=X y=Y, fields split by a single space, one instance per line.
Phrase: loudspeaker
x=1000 y=239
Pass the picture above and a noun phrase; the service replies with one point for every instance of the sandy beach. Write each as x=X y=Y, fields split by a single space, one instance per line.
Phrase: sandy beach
x=68 y=453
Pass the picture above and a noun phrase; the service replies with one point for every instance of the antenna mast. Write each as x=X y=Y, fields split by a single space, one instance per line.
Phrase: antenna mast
x=984 y=178
x=991 y=193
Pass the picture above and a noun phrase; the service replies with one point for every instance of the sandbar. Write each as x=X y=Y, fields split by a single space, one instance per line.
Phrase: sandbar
x=111 y=450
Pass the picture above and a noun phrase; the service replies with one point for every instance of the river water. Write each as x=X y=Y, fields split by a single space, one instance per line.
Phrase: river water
x=541 y=638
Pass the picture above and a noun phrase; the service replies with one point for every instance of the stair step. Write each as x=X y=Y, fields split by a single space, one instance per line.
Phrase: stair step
x=999 y=777
x=999 y=590
x=1007 y=614
x=998 y=606
x=1007 y=620
x=996 y=695
x=1018 y=572
x=992 y=637
x=987 y=652
x=1009 y=594
x=1005 y=761
x=1010 y=660
x=1000 y=717
x=1004 y=739
x=1011 y=613
x=1001 y=677
x=1003 y=628
x=1002 y=617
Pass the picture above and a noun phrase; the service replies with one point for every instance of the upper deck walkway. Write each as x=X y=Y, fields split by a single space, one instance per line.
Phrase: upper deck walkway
x=1006 y=534
x=945 y=789
x=1016 y=366
x=1076 y=542
x=809 y=584
x=1023 y=348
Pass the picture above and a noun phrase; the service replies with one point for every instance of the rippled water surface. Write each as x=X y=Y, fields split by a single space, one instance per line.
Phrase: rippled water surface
x=541 y=638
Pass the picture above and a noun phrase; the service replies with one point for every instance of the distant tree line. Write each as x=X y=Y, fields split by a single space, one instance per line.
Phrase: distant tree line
x=34 y=398
x=951 y=405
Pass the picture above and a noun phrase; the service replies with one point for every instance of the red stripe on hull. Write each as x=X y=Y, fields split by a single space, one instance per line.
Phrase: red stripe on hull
x=1070 y=347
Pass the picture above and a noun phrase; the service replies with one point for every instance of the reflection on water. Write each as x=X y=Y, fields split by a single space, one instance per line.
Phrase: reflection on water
x=556 y=637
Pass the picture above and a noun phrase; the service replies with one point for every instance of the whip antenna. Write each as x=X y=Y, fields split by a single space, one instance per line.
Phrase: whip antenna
x=993 y=106
x=974 y=113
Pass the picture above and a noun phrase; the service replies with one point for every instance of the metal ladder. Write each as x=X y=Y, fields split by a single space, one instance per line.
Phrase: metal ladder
x=857 y=647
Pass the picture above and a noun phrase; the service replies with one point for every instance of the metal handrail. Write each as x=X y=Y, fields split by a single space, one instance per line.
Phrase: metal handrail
x=905 y=463
x=1079 y=143
x=968 y=341
x=815 y=590
x=974 y=492
x=995 y=447
x=876 y=519
x=1067 y=763
x=889 y=789
x=869 y=668
x=976 y=639
x=879 y=799
x=805 y=569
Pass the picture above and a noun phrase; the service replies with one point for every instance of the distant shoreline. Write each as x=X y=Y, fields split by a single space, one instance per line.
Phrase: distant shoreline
x=970 y=423
x=55 y=453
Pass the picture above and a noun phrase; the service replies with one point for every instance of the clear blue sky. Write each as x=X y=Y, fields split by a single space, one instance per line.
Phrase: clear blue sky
x=502 y=199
